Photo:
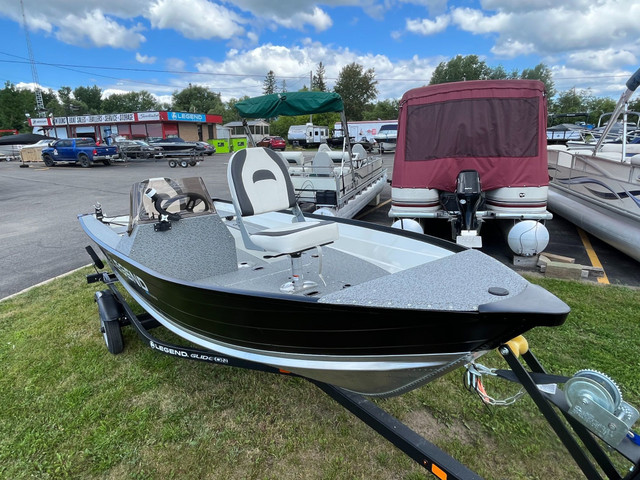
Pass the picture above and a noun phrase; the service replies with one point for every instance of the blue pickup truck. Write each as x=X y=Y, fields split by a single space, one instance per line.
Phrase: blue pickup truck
x=83 y=151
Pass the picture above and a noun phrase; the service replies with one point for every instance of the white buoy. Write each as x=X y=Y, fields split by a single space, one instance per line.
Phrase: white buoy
x=408 y=224
x=528 y=238
x=326 y=211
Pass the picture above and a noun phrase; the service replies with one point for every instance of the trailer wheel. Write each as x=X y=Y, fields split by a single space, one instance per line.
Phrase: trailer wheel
x=184 y=163
x=110 y=312
x=112 y=336
x=173 y=163
x=193 y=163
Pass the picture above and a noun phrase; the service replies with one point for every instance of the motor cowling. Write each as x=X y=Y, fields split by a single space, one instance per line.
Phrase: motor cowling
x=469 y=197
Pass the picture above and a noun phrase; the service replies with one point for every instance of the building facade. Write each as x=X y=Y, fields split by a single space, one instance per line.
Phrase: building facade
x=137 y=125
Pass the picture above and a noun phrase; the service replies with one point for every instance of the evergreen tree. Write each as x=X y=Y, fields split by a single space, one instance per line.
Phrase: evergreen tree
x=318 y=82
x=269 y=85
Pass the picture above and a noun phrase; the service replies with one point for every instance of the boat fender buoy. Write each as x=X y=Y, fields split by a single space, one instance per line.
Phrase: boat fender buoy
x=408 y=224
x=528 y=238
x=326 y=211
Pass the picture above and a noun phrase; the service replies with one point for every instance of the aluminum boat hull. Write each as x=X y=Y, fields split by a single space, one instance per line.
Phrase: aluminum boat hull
x=379 y=334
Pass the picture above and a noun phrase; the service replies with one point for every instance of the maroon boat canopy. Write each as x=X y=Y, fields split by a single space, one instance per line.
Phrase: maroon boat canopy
x=497 y=127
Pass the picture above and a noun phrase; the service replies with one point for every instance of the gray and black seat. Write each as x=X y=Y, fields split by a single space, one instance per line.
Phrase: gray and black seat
x=260 y=183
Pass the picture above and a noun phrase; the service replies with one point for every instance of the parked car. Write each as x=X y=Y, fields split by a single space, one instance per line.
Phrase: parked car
x=274 y=143
x=83 y=151
x=138 y=149
x=208 y=149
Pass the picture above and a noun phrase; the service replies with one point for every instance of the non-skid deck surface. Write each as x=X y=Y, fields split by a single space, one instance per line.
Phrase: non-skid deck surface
x=457 y=282
x=208 y=255
x=339 y=271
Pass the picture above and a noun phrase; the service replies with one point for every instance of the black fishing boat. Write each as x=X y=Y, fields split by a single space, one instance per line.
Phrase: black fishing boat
x=372 y=309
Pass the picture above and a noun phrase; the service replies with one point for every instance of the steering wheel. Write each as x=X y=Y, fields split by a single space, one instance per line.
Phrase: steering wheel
x=160 y=198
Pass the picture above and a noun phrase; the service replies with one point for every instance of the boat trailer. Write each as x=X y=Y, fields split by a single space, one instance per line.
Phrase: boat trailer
x=590 y=404
x=184 y=159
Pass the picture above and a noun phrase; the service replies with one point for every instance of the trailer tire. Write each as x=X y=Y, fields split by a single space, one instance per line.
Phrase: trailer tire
x=184 y=163
x=173 y=163
x=112 y=334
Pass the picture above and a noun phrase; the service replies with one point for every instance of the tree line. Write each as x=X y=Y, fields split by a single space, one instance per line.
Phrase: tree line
x=356 y=85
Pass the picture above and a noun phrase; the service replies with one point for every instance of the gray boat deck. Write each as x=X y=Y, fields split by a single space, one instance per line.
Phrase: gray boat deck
x=208 y=251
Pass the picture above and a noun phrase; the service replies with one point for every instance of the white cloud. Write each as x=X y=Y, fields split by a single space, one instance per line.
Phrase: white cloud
x=294 y=64
x=145 y=58
x=97 y=29
x=475 y=21
x=317 y=18
x=428 y=27
x=601 y=60
x=195 y=19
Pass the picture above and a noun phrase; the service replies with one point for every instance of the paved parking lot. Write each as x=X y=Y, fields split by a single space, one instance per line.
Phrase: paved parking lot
x=41 y=237
x=39 y=232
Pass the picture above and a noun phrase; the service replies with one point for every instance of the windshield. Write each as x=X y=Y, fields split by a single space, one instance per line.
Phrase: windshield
x=174 y=194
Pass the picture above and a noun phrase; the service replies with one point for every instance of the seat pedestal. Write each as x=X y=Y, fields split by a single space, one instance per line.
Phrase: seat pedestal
x=297 y=283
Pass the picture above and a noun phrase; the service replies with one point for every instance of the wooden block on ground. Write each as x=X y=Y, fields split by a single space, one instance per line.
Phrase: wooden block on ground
x=558 y=258
x=570 y=271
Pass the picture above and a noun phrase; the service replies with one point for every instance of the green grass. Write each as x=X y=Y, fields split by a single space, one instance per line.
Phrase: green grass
x=69 y=409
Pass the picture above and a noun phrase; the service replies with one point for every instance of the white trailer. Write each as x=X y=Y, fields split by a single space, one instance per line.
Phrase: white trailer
x=366 y=129
x=308 y=135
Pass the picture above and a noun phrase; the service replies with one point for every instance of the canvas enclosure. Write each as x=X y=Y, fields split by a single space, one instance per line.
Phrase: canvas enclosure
x=497 y=127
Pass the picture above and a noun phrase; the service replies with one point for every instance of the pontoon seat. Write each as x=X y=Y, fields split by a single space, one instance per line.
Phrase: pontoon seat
x=322 y=164
x=358 y=151
x=293 y=158
x=260 y=183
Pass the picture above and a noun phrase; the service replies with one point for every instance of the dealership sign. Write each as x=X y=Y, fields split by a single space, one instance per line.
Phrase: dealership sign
x=186 y=117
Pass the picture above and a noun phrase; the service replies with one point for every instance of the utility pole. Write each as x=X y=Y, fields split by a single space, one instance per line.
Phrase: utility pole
x=34 y=72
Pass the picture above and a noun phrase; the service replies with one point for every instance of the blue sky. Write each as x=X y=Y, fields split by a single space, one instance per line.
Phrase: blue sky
x=229 y=46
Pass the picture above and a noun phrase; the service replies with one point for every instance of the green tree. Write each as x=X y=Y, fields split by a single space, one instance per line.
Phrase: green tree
x=91 y=97
x=129 y=102
x=318 y=83
x=357 y=88
x=543 y=73
x=230 y=114
x=14 y=104
x=70 y=105
x=269 y=84
x=460 y=68
x=571 y=101
x=197 y=99
x=383 y=110
x=51 y=103
x=499 y=73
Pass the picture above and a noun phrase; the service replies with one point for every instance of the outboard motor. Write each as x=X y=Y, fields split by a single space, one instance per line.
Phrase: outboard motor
x=469 y=197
